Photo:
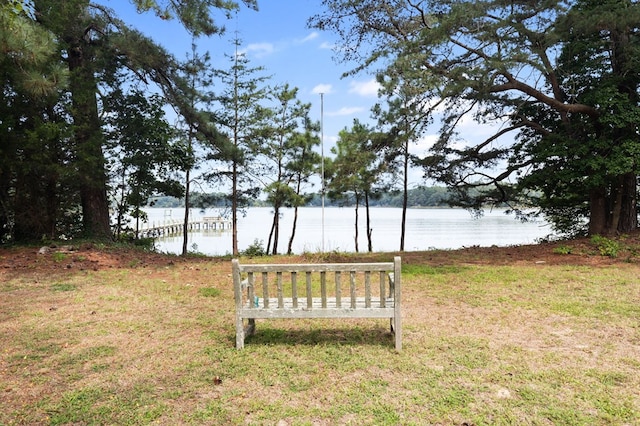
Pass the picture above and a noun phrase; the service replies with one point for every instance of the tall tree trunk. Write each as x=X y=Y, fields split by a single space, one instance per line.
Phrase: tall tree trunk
x=276 y=229
x=356 y=224
x=295 y=216
x=598 y=211
x=29 y=223
x=405 y=194
x=293 y=230
x=234 y=208
x=369 y=230
x=185 y=223
x=629 y=210
x=623 y=55
x=121 y=207
x=273 y=233
x=615 y=208
x=5 y=208
x=90 y=160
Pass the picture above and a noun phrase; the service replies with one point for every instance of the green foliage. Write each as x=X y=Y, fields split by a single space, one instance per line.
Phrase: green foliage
x=143 y=153
x=285 y=149
x=54 y=137
x=147 y=243
x=29 y=50
x=59 y=256
x=573 y=120
x=562 y=250
x=63 y=287
x=606 y=246
x=256 y=249
x=210 y=292
x=195 y=16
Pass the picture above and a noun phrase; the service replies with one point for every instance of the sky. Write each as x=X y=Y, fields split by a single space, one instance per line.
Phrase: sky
x=276 y=37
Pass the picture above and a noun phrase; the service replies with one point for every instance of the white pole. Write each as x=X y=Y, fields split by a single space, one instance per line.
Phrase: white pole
x=322 y=160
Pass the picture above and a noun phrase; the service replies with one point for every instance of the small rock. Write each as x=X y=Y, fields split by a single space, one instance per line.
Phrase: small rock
x=504 y=393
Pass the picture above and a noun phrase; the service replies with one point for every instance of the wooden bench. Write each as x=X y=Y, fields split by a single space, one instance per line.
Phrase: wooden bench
x=323 y=290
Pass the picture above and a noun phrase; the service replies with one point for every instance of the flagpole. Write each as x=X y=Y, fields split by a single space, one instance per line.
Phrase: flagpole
x=322 y=160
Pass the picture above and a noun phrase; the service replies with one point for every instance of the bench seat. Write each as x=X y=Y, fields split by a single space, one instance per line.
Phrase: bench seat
x=330 y=309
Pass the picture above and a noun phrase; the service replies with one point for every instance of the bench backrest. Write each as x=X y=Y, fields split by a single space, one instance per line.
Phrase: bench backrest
x=268 y=285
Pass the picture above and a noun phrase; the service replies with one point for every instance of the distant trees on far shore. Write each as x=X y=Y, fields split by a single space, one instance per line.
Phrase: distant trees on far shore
x=433 y=196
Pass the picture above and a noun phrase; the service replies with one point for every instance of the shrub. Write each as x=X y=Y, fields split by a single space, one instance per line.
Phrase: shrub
x=256 y=249
x=562 y=250
x=606 y=246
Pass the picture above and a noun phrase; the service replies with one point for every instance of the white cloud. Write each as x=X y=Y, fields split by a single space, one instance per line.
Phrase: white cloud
x=364 y=88
x=325 y=45
x=322 y=88
x=346 y=111
x=423 y=144
x=260 y=49
x=314 y=35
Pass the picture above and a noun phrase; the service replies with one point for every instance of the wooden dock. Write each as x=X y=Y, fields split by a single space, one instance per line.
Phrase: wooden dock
x=175 y=227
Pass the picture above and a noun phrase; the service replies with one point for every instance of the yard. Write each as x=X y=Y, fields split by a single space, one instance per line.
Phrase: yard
x=541 y=335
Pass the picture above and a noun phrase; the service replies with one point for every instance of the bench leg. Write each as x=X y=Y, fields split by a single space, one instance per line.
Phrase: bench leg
x=397 y=330
x=242 y=332
x=250 y=329
x=239 y=332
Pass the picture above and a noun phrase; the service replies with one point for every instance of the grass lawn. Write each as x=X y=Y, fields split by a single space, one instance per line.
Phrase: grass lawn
x=520 y=343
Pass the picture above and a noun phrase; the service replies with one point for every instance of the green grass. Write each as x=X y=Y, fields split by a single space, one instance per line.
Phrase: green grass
x=483 y=345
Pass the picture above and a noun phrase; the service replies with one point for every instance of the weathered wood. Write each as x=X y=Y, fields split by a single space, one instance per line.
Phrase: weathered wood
x=338 y=290
x=364 y=302
x=265 y=289
x=309 y=293
x=323 y=288
x=294 y=288
x=382 y=288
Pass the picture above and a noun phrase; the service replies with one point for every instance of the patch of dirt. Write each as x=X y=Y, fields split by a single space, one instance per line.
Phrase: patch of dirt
x=90 y=257
x=582 y=251
x=66 y=259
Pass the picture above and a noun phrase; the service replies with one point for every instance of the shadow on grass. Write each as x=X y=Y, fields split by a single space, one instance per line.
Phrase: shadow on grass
x=353 y=336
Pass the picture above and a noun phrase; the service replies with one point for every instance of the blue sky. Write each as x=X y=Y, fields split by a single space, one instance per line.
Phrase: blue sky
x=277 y=38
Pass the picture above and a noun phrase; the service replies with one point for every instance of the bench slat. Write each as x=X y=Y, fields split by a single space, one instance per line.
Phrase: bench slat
x=294 y=288
x=323 y=288
x=321 y=313
x=317 y=304
x=338 y=289
x=316 y=267
x=279 y=289
x=265 y=288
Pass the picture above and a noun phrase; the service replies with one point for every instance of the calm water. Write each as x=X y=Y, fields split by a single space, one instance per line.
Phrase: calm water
x=426 y=229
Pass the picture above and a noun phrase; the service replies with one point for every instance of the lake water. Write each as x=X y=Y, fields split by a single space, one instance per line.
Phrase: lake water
x=426 y=229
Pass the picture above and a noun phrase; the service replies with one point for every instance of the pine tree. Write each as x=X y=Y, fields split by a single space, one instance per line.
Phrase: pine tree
x=240 y=118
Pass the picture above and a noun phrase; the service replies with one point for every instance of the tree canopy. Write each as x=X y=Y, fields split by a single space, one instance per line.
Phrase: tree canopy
x=60 y=62
x=84 y=133
x=560 y=77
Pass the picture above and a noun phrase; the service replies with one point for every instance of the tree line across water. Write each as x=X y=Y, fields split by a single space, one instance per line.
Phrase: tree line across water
x=435 y=196
x=84 y=131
